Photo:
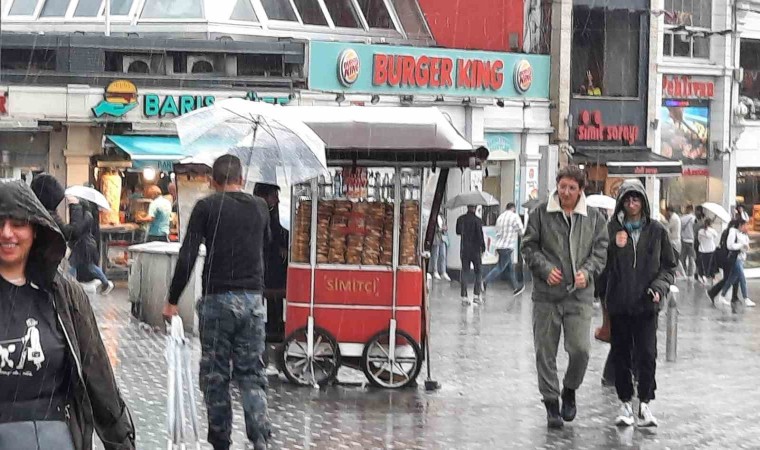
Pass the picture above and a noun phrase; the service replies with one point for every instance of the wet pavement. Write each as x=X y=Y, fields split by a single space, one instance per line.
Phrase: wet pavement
x=483 y=358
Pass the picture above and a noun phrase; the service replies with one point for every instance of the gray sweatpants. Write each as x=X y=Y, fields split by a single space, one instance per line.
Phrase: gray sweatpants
x=549 y=319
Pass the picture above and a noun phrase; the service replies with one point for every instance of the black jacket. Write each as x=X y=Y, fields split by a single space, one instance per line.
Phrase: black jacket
x=50 y=193
x=470 y=227
x=97 y=403
x=634 y=269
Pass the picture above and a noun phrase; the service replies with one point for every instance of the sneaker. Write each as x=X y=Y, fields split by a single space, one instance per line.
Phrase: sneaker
x=465 y=300
x=478 y=300
x=568 y=405
x=625 y=417
x=519 y=290
x=553 y=418
x=749 y=303
x=723 y=301
x=437 y=276
x=107 y=289
x=446 y=277
x=429 y=277
x=646 y=418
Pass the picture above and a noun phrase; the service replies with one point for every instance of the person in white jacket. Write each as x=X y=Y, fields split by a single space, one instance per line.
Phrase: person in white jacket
x=738 y=241
x=708 y=242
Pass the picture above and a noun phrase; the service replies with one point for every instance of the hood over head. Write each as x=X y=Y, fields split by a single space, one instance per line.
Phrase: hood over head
x=48 y=190
x=18 y=201
x=629 y=187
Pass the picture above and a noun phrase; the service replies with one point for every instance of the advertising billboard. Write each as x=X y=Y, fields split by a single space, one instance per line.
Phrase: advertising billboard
x=685 y=130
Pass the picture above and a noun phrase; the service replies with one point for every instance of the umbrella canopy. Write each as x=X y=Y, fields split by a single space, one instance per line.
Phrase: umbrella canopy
x=89 y=194
x=717 y=210
x=274 y=147
x=477 y=198
x=601 y=201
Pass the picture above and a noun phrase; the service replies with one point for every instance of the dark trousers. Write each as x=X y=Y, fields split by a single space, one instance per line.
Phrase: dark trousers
x=158 y=238
x=232 y=330
x=634 y=336
x=475 y=260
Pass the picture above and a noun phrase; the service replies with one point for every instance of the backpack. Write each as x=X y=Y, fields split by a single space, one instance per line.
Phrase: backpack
x=722 y=253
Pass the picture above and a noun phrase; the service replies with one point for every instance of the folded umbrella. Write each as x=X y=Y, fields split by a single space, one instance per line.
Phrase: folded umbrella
x=476 y=198
x=180 y=380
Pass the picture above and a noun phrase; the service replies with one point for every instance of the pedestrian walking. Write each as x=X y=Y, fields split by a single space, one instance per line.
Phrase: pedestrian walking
x=473 y=245
x=725 y=260
x=234 y=226
x=699 y=223
x=85 y=249
x=707 y=237
x=688 y=255
x=673 y=224
x=565 y=247
x=738 y=244
x=439 y=250
x=57 y=382
x=640 y=269
x=509 y=228
x=159 y=215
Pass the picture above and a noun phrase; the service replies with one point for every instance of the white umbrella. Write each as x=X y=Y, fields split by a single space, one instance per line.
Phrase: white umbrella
x=274 y=147
x=180 y=379
x=89 y=194
x=718 y=211
x=601 y=201
x=477 y=198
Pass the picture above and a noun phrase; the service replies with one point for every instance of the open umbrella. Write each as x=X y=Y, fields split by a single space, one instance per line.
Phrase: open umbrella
x=718 y=211
x=601 y=201
x=477 y=198
x=89 y=194
x=274 y=147
x=531 y=204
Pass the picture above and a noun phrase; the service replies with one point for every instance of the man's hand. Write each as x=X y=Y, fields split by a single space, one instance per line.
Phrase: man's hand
x=655 y=296
x=72 y=200
x=555 y=277
x=170 y=311
x=580 y=280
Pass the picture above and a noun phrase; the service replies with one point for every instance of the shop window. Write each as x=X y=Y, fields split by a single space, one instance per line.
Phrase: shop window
x=120 y=7
x=279 y=10
x=605 y=55
x=244 y=11
x=23 y=8
x=377 y=14
x=749 y=60
x=687 y=25
x=172 y=9
x=311 y=13
x=260 y=66
x=411 y=18
x=54 y=8
x=27 y=60
x=343 y=13
x=87 y=8
x=138 y=67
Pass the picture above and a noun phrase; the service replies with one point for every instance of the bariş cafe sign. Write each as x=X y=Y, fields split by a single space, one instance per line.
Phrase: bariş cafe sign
x=591 y=127
x=683 y=86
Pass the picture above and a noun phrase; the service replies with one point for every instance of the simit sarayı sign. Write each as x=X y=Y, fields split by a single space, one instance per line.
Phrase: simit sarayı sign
x=385 y=69
x=591 y=127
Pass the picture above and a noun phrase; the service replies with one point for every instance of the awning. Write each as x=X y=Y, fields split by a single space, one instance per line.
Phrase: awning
x=159 y=152
x=629 y=162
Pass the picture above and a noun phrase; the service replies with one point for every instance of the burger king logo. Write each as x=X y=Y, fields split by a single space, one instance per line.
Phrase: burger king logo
x=348 y=67
x=523 y=76
x=119 y=98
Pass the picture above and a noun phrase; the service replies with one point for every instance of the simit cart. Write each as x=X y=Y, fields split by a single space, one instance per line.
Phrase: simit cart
x=356 y=292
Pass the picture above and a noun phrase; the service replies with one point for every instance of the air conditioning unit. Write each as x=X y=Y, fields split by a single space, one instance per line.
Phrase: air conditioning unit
x=201 y=64
x=155 y=64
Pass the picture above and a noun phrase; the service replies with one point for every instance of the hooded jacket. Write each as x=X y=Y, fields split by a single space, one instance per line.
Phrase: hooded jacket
x=50 y=193
x=636 y=267
x=550 y=241
x=96 y=401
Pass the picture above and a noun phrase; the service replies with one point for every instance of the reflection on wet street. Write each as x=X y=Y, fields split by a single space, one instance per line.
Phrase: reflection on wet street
x=483 y=357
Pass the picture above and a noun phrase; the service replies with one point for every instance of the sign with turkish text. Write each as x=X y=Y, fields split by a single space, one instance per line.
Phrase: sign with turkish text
x=687 y=87
x=591 y=127
x=383 y=69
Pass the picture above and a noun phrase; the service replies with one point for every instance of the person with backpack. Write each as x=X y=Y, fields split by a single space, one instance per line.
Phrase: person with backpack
x=723 y=259
x=737 y=243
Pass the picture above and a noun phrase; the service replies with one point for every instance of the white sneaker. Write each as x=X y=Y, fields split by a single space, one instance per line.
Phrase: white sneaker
x=107 y=290
x=437 y=276
x=466 y=301
x=478 y=300
x=429 y=277
x=446 y=277
x=625 y=418
x=749 y=303
x=723 y=301
x=646 y=418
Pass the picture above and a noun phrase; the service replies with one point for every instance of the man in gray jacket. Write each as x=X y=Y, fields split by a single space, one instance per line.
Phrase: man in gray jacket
x=565 y=246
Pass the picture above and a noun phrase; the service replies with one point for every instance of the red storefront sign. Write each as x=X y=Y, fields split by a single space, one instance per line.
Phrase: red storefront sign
x=3 y=104
x=425 y=71
x=696 y=172
x=591 y=127
x=683 y=86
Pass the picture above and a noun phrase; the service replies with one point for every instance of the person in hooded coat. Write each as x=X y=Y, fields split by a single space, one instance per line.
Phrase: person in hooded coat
x=641 y=265
x=50 y=193
x=58 y=385
x=85 y=250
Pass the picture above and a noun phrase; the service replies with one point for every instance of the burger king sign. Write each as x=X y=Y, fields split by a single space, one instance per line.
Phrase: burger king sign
x=523 y=76
x=348 y=67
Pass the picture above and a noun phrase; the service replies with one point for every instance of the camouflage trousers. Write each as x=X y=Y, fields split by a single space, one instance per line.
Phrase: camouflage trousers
x=232 y=346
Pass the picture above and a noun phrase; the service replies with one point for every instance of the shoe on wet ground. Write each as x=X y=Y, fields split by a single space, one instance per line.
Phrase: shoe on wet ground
x=646 y=418
x=625 y=416
x=553 y=417
x=569 y=409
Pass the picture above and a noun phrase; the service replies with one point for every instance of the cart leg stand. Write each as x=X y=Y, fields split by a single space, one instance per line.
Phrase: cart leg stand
x=671 y=345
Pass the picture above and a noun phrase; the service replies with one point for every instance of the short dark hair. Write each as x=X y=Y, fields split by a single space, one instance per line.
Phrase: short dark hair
x=670 y=209
x=573 y=172
x=708 y=222
x=510 y=205
x=264 y=189
x=689 y=208
x=227 y=169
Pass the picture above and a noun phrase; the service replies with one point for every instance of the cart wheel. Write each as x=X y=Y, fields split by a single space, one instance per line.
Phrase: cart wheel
x=392 y=371
x=320 y=368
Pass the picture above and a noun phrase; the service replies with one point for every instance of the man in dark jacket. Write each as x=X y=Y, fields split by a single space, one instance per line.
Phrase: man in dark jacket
x=641 y=265
x=565 y=246
x=473 y=245
x=50 y=193
x=56 y=404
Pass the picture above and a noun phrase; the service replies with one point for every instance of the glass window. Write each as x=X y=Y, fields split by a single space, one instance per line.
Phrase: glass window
x=691 y=13
x=749 y=59
x=88 y=8
x=605 y=63
x=54 y=8
x=311 y=13
x=343 y=13
x=120 y=7
x=172 y=9
x=23 y=8
x=28 y=60
x=244 y=11
x=411 y=17
x=376 y=14
x=279 y=10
